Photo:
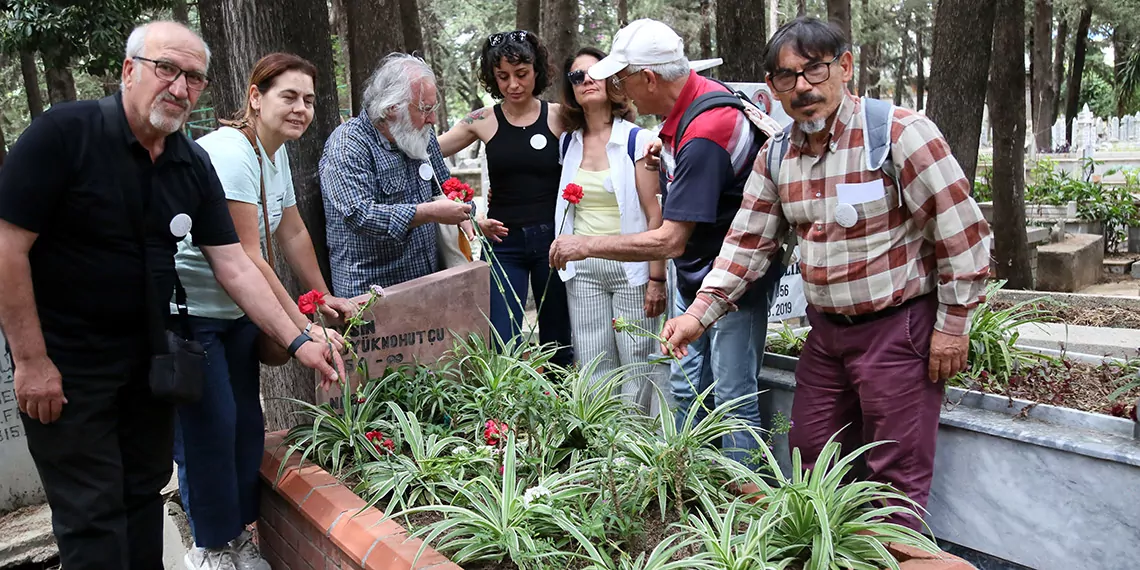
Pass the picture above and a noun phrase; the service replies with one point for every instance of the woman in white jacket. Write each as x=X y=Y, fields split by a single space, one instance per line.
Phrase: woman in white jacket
x=604 y=154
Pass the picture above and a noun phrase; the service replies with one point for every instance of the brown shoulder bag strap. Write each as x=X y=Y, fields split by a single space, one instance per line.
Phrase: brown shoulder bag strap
x=247 y=130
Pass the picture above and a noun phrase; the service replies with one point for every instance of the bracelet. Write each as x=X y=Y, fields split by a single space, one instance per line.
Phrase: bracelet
x=656 y=279
x=297 y=342
x=309 y=328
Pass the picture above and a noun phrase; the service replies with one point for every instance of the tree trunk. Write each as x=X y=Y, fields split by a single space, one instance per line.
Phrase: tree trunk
x=527 y=14
x=559 y=30
x=1073 y=97
x=1041 y=55
x=1008 y=114
x=60 y=84
x=901 y=70
x=737 y=40
x=433 y=31
x=31 y=74
x=1059 y=70
x=410 y=24
x=706 y=29
x=919 y=67
x=801 y=8
x=622 y=13
x=181 y=12
x=3 y=142
x=839 y=11
x=372 y=34
x=1121 y=47
x=238 y=37
x=959 y=70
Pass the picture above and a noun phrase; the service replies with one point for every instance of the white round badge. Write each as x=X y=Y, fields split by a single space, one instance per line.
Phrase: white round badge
x=845 y=215
x=180 y=225
x=538 y=142
x=426 y=171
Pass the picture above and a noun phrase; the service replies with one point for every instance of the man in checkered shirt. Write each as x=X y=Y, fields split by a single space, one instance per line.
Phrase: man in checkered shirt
x=379 y=174
x=891 y=275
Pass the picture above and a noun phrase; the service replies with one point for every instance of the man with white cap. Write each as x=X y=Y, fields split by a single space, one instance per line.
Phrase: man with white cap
x=703 y=180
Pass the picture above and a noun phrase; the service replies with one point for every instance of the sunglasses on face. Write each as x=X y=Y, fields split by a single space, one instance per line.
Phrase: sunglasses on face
x=576 y=77
x=518 y=36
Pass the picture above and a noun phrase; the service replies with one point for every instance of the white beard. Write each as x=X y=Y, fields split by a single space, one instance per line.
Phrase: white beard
x=414 y=142
x=164 y=122
x=813 y=127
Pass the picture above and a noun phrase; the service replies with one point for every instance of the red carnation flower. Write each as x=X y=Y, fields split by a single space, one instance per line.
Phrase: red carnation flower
x=572 y=193
x=494 y=431
x=308 y=302
x=456 y=190
x=389 y=445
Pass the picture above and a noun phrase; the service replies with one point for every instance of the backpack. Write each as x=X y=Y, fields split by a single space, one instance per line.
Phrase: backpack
x=713 y=100
x=877 y=116
x=630 y=145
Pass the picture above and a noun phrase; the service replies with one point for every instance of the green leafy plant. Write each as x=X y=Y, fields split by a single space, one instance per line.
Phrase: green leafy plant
x=420 y=476
x=737 y=536
x=786 y=341
x=994 y=356
x=821 y=523
x=665 y=556
x=496 y=517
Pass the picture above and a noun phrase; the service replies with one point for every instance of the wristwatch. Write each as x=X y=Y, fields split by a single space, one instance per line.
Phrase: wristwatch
x=297 y=342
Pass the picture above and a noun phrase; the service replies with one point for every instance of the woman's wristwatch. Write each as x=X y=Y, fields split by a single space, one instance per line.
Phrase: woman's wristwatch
x=297 y=342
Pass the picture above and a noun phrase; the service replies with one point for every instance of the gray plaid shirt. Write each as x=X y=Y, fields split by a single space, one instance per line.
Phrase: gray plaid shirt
x=370 y=191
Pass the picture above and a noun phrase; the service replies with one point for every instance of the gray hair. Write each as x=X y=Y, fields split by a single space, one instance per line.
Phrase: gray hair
x=391 y=85
x=671 y=71
x=137 y=40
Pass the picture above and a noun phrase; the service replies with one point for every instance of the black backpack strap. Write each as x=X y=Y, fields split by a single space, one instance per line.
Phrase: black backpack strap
x=631 y=144
x=706 y=102
x=564 y=146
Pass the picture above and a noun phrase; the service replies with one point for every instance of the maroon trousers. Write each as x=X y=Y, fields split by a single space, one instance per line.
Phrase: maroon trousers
x=870 y=381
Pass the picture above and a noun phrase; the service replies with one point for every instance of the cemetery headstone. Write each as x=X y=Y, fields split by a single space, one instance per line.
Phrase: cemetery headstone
x=1126 y=133
x=790 y=302
x=19 y=482
x=1114 y=129
x=1059 y=132
x=419 y=321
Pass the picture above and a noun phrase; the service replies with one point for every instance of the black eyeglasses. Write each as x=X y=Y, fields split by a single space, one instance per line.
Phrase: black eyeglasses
x=515 y=36
x=169 y=72
x=576 y=77
x=814 y=73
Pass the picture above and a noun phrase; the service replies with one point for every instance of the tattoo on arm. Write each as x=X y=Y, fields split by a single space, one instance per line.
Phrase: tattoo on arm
x=474 y=116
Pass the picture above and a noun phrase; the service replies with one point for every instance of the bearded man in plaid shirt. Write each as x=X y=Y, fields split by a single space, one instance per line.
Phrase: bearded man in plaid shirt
x=892 y=271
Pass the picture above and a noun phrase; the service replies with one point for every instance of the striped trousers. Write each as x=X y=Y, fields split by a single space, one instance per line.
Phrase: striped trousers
x=599 y=293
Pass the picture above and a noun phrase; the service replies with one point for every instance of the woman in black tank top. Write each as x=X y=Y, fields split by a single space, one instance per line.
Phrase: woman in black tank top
x=521 y=134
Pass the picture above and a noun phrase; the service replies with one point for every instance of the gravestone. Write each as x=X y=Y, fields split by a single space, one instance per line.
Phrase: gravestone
x=420 y=320
x=1114 y=129
x=19 y=483
x=1126 y=128
x=790 y=302
x=1059 y=132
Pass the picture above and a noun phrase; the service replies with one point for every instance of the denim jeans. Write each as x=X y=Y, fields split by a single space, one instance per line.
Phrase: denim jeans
x=730 y=354
x=523 y=256
x=218 y=441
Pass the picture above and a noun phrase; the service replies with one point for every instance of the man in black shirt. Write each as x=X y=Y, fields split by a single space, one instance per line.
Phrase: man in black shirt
x=73 y=277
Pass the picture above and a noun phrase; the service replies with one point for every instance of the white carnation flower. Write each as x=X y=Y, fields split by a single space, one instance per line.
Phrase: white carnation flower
x=460 y=450
x=534 y=493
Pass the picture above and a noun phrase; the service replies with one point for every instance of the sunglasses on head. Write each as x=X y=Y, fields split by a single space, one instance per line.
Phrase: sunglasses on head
x=518 y=36
x=576 y=77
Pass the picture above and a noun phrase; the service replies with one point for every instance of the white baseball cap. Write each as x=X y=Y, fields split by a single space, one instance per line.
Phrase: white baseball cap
x=643 y=42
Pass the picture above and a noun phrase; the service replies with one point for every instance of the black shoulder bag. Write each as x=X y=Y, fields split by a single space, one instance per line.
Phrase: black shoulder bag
x=177 y=362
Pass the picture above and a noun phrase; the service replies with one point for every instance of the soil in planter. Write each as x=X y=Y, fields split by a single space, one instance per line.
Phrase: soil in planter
x=1076 y=385
x=1108 y=316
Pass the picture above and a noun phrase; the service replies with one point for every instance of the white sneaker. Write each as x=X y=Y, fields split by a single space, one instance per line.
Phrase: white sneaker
x=245 y=554
x=208 y=559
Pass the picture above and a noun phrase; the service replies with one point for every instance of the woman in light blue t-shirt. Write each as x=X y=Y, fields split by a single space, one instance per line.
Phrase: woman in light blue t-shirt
x=219 y=440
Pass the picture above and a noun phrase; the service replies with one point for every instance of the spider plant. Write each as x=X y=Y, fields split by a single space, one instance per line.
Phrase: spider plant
x=493 y=518
x=993 y=335
x=825 y=524
x=737 y=536
x=333 y=438
x=786 y=341
x=665 y=556
x=420 y=476
x=681 y=460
